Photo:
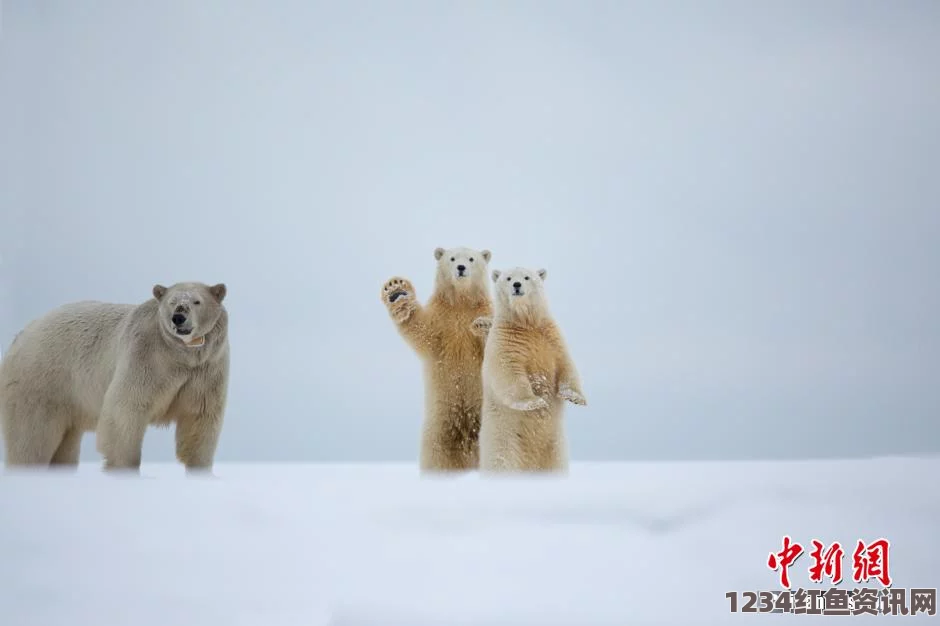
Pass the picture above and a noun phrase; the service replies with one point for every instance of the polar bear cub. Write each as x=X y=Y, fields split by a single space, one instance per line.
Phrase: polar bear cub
x=116 y=369
x=527 y=376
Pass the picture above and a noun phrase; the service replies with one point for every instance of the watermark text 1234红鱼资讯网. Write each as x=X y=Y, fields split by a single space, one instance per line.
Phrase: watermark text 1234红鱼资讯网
x=836 y=601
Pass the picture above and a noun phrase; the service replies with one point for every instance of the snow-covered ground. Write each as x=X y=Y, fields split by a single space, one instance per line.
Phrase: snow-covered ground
x=314 y=545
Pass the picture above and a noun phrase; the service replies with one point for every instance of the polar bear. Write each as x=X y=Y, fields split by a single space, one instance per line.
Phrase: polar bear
x=115 y=369
x=441 y=334
x=527 y=376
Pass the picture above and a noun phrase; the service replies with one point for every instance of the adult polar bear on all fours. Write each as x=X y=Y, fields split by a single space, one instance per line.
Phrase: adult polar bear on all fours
x=440 y=333
x=116 y=369
x=527 y=376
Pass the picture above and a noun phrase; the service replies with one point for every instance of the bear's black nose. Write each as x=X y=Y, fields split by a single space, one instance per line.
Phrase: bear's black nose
x=461 y=268
x=178 y=319
x=517 y=284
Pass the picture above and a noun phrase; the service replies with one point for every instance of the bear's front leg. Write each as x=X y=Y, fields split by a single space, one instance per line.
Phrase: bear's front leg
x=398 y=295
x=569 y=383
x=197 y=437
x=514 y=389
x=139 y=392
x=569 y=393
x=120 y=432
x=197 y=433
x=481 y=327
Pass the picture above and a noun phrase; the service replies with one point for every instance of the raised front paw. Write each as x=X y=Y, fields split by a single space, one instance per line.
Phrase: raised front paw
x=529 y=405
x=565 y=392
x=398 y=296
x=396 y=288
x=481 y=326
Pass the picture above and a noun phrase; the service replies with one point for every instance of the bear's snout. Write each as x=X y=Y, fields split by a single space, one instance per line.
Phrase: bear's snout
x=178 y=319
x=461 y=269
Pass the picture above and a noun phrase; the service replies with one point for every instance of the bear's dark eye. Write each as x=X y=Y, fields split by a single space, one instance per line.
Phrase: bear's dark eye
x=451 y=259
x=197 y=302
x=471 y=259
x=508 y=278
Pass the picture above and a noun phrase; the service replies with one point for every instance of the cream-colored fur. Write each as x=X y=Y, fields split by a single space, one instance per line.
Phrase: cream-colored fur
x=117 y=368
x=527 y=376
x=440 y=333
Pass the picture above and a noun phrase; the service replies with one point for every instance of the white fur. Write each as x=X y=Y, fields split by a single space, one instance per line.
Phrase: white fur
x=527 y=376
x=117 y=368
x=442 y=335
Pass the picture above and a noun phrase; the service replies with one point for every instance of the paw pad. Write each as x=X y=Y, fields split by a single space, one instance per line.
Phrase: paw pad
x=395 y=289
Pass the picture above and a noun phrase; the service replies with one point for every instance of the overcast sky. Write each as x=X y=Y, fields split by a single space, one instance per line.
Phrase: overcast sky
x=738 y=204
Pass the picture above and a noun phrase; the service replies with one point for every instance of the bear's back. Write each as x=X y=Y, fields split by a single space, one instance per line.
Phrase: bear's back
x=71 y=346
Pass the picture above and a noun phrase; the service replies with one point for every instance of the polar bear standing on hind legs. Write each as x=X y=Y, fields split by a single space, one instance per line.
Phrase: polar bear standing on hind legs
x=116 y=369
x=527 y=376
x=442 y=336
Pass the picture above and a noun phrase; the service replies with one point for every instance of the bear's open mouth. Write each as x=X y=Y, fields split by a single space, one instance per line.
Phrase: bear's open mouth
x=183 y=331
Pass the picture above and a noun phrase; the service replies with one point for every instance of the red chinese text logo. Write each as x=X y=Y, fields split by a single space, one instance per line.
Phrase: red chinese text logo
x=826 y=562
x=869 y=561
x=784 y=559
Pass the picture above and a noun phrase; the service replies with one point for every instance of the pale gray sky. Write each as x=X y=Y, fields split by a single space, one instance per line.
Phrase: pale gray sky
x=738 y=204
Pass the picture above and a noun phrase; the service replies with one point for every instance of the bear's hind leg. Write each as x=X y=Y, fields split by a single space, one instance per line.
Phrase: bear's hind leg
x=444 y=449
x=501 y=444
x=554 y=456
x=68 y=452
x=32 y=439
x=470 y=441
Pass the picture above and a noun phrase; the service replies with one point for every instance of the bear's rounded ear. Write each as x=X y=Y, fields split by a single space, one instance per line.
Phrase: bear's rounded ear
x=486 y=254
x=496 y=274
x=158 y=292
x=218 y=291
x=543 y=273
x=438 y=253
